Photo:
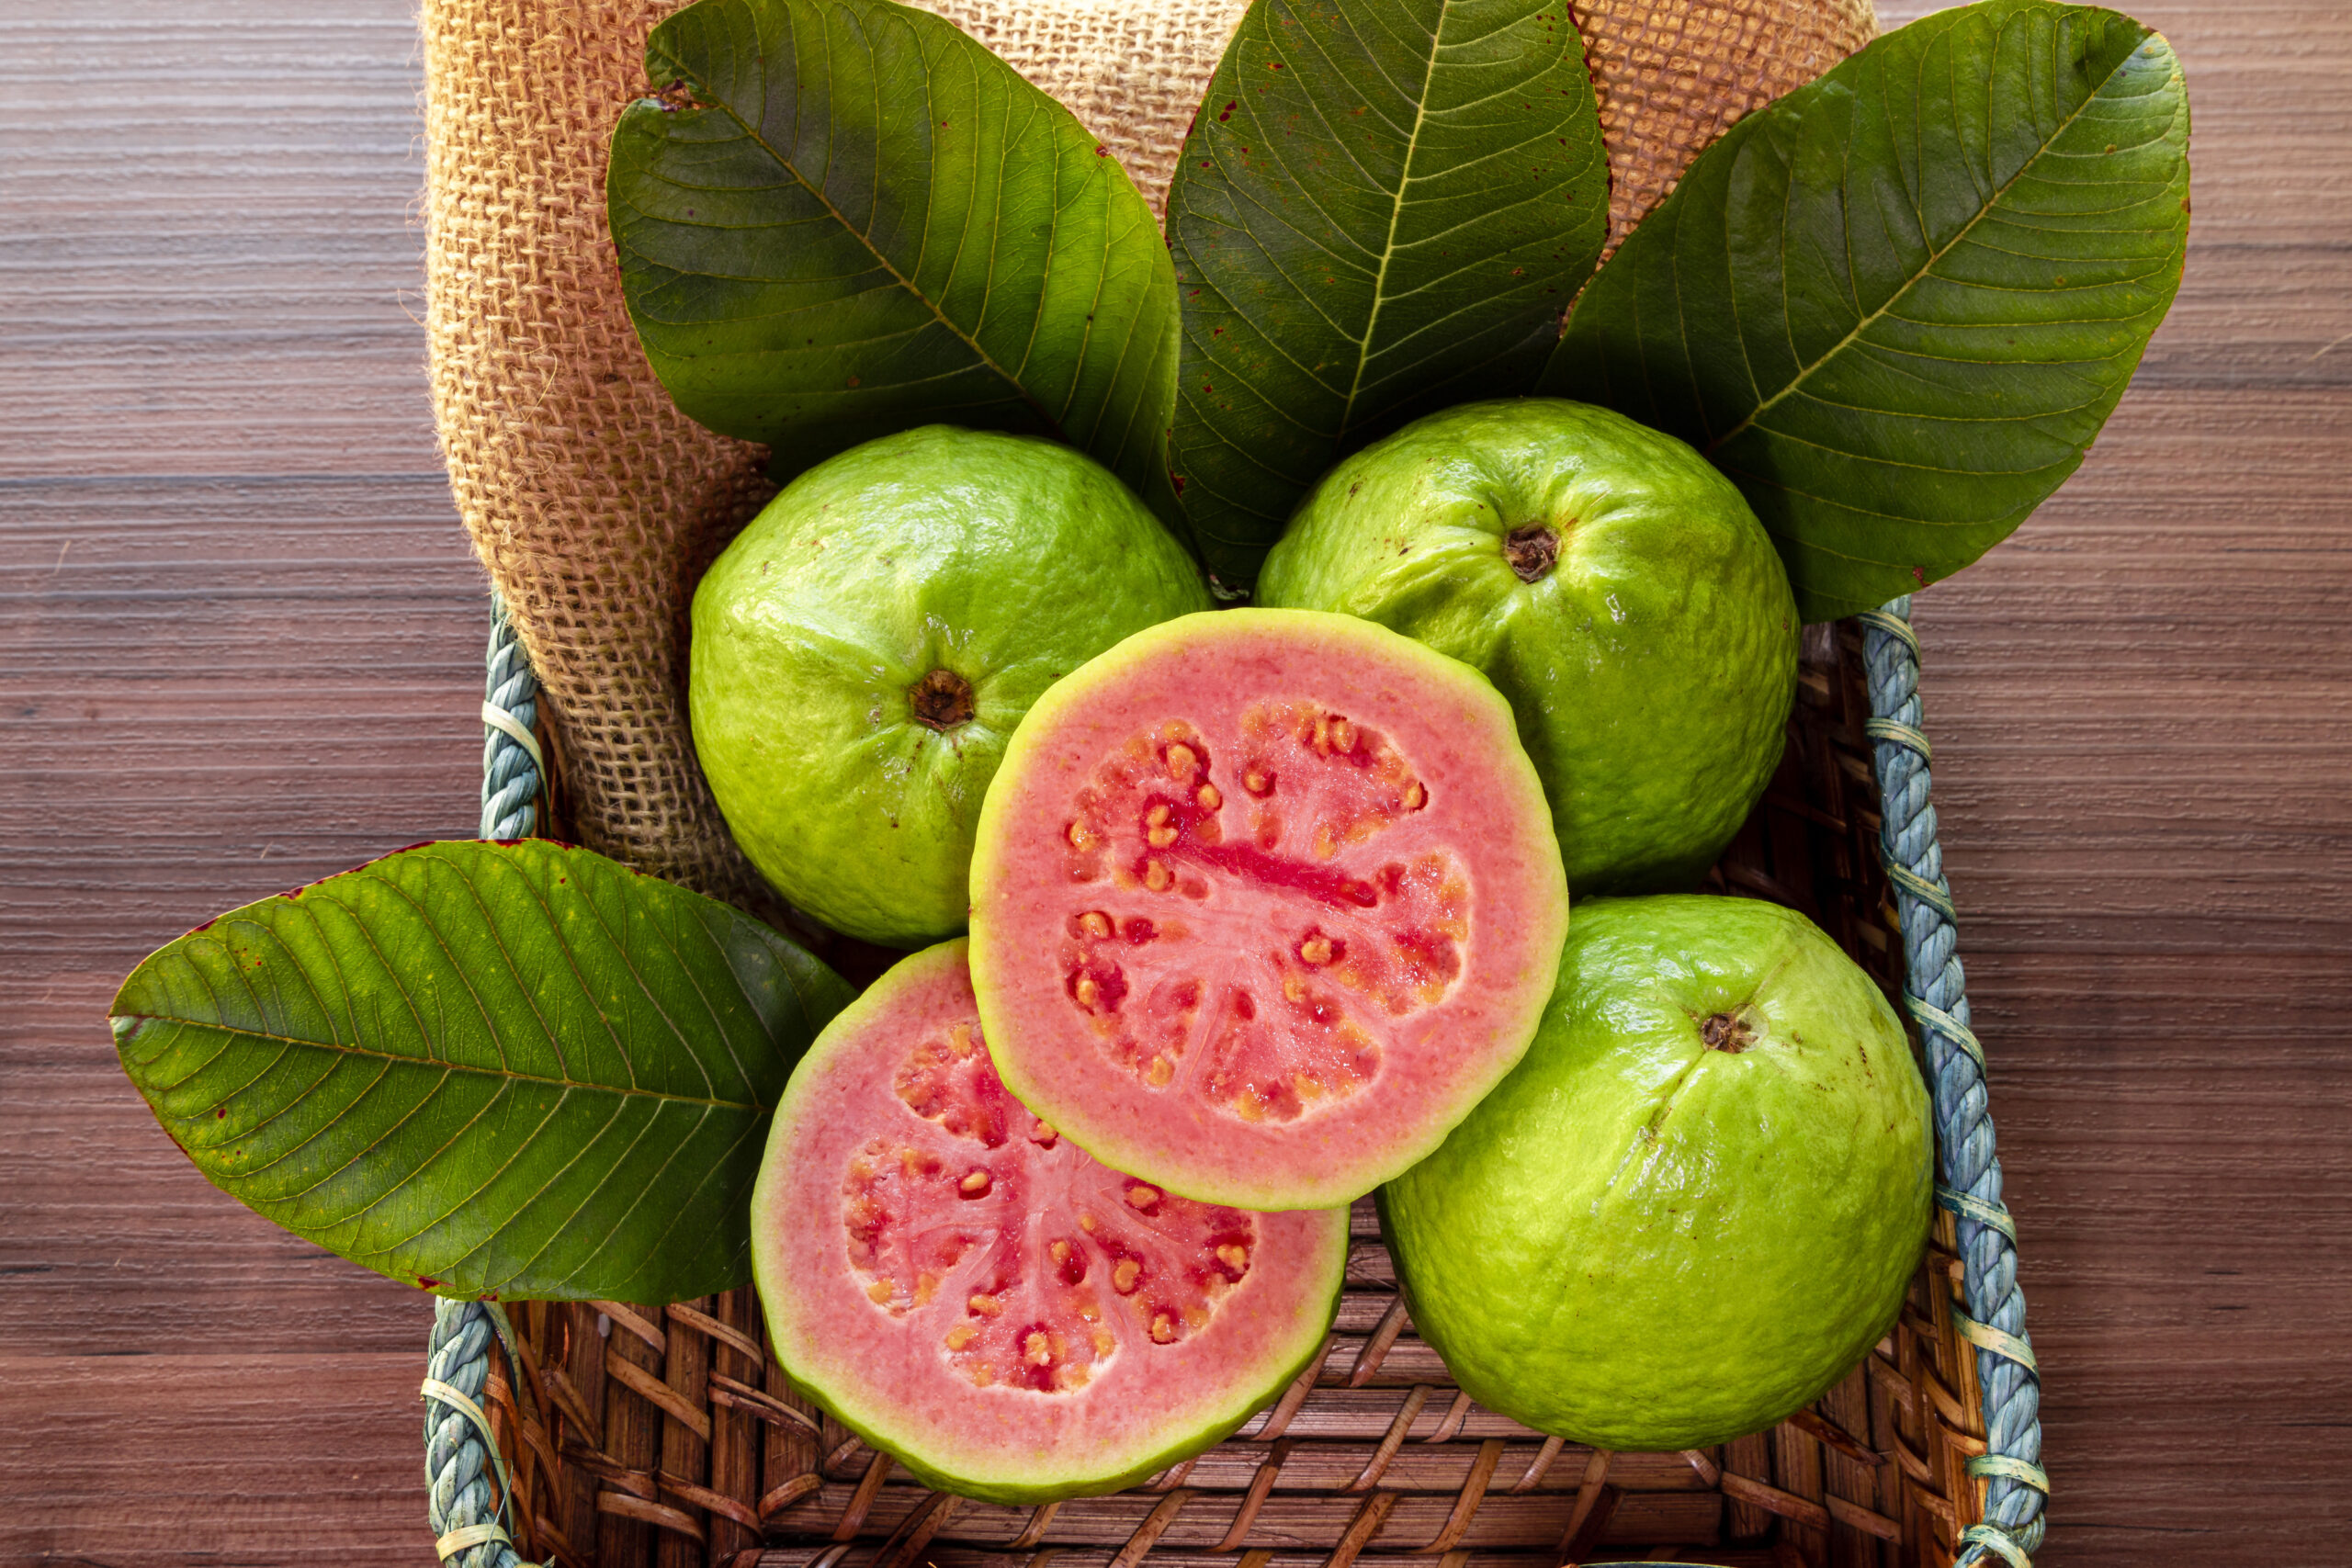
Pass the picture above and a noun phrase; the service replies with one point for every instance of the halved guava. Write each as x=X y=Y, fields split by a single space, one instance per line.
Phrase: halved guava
x=1263 y=902
x=967 y=1290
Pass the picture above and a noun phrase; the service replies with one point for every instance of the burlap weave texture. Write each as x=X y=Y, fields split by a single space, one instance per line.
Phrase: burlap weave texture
x=596 y=506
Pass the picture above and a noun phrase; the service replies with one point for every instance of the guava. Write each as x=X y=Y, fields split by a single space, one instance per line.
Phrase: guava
x=1698 y=1200
x=1611 y=585
x=861 y=650
x=967 y=1290
x=1264 y=901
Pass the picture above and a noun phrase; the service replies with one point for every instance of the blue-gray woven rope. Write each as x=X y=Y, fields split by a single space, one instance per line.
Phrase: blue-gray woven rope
x=2016 y=1486
x=510 y=756
x=465 y=1511
x=462 y=1506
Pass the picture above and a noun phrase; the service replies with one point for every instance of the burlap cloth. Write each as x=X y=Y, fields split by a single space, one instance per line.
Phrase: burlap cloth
x=596 y=506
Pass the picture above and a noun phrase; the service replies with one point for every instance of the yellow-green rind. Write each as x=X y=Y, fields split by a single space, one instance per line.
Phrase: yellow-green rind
x=1645 y=1244
x=1651 y=668
x=1015 y=1493
x=1006 y=559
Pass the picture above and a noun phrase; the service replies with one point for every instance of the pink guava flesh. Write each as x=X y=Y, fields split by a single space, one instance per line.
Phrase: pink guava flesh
x=1264 y=902
x=968 y=1290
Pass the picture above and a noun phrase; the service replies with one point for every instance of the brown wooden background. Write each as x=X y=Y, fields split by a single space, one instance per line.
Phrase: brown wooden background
x=240 y=638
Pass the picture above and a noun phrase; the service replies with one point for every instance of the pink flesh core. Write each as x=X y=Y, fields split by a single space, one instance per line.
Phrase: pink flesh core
x=1287 y=923
x=1338 y=954
x=1053 y=1319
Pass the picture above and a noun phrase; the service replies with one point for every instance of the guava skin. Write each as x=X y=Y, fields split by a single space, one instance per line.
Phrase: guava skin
x=1613 y=586
x=1644 y=1243
x=865 y=648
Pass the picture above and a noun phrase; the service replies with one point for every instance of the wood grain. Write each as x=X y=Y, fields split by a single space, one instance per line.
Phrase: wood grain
x=240 y=638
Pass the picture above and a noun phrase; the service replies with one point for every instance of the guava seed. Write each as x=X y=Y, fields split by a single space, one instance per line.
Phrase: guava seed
x=1532 y=551
x=941 y=700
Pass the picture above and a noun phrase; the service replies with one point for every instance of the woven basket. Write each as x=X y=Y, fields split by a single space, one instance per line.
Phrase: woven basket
x=612 y=1436
x=643 y=1434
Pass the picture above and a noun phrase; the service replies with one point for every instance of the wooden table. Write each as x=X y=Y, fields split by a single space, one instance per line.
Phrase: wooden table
x=240 y=638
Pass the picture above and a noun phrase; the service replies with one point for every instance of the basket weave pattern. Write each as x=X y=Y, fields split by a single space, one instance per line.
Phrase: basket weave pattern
x=646 y=1434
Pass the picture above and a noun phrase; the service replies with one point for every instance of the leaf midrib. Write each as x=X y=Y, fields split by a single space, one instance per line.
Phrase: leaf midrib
x=1396 y=217
x=790 y=167
x=505 y=1074
x=1928 y=266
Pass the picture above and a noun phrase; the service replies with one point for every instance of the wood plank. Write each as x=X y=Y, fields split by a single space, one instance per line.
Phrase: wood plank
x=240 y=642
x=98 y=1477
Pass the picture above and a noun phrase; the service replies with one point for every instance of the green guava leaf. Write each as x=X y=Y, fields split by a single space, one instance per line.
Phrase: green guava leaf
x=845 y=218
x=1897 y=305
x=485 y=1068
x=1383 y=208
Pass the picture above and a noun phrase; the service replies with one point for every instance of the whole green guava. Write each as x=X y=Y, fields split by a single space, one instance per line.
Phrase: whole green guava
x=1697 y=1201
x=863 y=650
x=1613 y=586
